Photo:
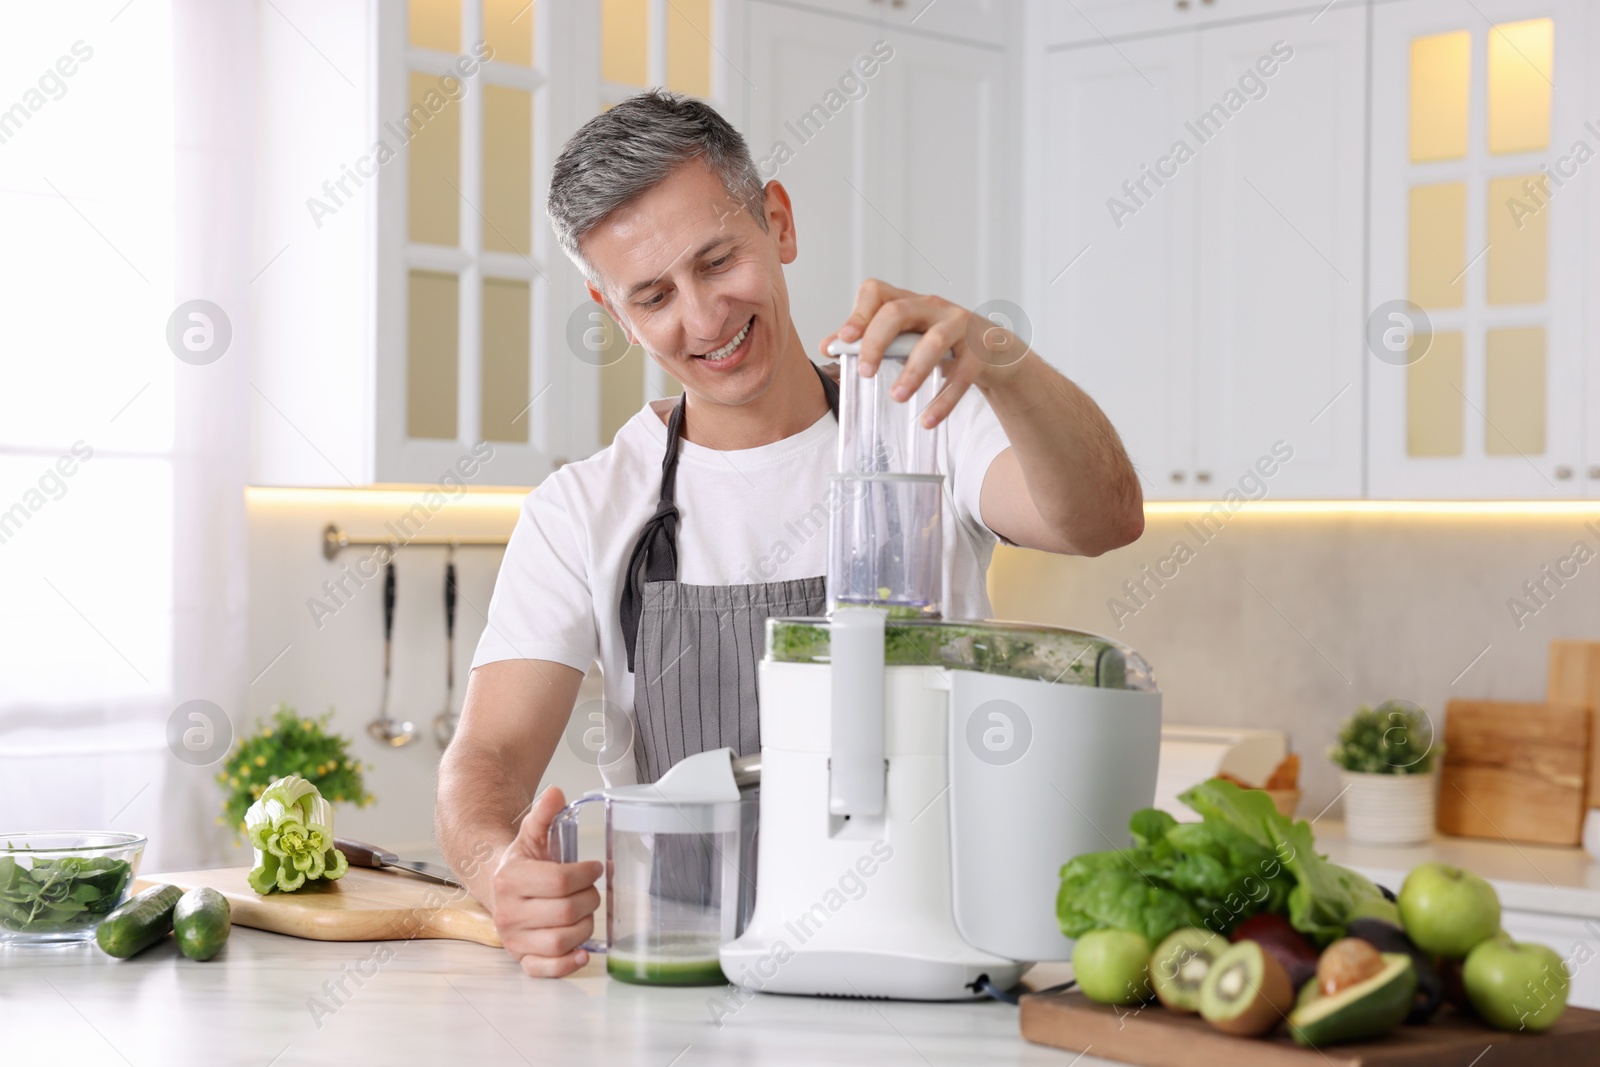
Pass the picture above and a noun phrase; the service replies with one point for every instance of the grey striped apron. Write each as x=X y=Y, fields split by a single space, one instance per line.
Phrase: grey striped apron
x=693 y=651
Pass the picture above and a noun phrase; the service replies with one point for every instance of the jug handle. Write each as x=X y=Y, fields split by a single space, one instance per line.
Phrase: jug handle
x=563 y=848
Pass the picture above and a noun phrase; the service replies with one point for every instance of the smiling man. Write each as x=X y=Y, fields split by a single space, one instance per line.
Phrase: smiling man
x=663 y=555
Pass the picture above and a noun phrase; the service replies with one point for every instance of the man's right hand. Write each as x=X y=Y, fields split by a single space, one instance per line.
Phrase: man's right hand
x=544 y=910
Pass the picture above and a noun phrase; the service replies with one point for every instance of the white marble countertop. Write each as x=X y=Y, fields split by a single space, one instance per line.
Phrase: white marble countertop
x=1538 y=878
x=271 y=1001
x=449 y=1002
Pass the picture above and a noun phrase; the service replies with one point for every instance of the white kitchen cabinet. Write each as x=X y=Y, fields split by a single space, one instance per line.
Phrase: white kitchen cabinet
x=898 y=174
x=1096 y=21
x=968 y=21
x=940 y=196
x=1280 y=250
x=1113 y=298
x=1480 y=101
x=1198 y=269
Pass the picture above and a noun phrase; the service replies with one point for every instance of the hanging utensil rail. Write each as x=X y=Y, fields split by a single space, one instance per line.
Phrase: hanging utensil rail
x=335 y=540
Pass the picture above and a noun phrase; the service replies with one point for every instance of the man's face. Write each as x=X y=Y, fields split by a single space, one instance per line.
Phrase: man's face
x=692 y=277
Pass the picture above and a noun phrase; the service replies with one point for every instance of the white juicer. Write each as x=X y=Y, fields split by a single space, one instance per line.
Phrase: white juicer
x=923 y=780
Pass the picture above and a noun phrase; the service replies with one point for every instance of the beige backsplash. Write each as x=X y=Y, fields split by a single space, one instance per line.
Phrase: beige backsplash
x=1290 y=620
x=1399 y=606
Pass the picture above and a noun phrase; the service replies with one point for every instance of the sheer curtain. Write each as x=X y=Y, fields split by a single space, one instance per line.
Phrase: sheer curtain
x=124 y=193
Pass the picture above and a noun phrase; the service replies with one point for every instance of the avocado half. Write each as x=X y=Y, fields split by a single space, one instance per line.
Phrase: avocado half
x=1367 y=1009
x=1180 y=963
x=1387 y=937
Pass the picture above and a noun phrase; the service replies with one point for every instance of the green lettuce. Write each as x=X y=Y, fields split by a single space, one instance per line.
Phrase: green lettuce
x=1243 y=858
x=1107 y=889
x=291 y=827
x=1326 y=896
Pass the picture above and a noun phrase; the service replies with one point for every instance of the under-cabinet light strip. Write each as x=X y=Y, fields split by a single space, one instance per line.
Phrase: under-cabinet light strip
x=503 y=498
x=1393 y=508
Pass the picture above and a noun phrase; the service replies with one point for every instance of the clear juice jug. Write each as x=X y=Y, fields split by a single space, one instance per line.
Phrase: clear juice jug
x=678 y=884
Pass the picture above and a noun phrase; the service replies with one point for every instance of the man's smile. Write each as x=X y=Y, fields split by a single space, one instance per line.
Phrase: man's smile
x=728 y=352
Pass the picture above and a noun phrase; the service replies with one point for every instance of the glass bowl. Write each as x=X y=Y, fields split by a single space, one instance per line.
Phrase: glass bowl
x=58 y=885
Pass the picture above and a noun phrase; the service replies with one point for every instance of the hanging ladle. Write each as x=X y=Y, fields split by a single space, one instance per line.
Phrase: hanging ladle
x=444 y=724
x=383 y=728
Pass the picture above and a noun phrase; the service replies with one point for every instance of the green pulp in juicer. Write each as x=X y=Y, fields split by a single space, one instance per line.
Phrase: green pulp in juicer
x=1040 y=653
x=666 y=959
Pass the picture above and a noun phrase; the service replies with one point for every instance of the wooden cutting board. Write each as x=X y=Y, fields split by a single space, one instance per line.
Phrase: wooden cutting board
x=1156 y=1037
x=1575 y=680
x=1514 y=771
x=364 y=905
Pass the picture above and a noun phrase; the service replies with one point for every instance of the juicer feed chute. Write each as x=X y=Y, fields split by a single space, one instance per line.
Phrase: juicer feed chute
x=885 y=545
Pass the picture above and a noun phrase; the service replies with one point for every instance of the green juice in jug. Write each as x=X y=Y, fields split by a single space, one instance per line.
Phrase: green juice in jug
x=666 y=959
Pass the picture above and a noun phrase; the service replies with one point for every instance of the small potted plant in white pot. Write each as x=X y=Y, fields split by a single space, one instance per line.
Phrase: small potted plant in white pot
x=1386 y=757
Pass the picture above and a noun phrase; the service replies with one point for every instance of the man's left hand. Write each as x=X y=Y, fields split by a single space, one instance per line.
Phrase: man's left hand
x=985 y=354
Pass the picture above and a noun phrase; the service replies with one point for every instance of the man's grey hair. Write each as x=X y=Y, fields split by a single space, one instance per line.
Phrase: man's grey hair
x=620 y=154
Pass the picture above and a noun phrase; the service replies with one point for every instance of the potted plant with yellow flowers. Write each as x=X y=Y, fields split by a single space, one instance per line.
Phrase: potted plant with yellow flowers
x=289 y=744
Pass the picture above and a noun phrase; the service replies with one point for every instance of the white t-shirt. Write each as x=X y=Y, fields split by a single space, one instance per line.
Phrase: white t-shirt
x=745 y=516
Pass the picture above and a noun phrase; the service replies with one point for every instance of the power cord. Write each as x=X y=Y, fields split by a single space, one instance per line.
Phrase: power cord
x=986 y=986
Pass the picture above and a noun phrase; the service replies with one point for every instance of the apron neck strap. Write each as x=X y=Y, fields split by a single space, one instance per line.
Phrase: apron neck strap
x=655 y=553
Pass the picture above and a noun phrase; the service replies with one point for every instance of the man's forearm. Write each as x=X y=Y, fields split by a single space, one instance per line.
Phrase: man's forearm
x=1077 y=474
x=511 y=722
x=480 y=803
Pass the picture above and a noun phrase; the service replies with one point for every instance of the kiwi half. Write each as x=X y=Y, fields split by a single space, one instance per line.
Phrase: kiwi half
x=1246 y=991
x=1180 y=963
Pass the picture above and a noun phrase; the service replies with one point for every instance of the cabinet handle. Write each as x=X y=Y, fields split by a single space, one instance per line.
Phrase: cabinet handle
x=1594 y=472
x=1563 y=472
x=1177 y=477
x=1203 y=477
x=1183 y=5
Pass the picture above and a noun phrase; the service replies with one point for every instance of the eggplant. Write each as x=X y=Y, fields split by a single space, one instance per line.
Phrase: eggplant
x=1387 y=937
x=1286 y=944
x=1455 y=990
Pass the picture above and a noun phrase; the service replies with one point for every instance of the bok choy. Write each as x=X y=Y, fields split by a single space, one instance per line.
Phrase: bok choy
x=291 y=828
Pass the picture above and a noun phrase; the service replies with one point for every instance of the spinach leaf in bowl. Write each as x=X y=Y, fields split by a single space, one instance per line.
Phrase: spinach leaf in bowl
x=57 y=895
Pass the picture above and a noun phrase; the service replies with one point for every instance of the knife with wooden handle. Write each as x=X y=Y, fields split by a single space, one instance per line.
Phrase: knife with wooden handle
x=361 y=854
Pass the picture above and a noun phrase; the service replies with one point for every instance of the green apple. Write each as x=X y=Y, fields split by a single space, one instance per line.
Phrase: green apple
x=1112 y=966
x=1447 y=911
x=1516 y=986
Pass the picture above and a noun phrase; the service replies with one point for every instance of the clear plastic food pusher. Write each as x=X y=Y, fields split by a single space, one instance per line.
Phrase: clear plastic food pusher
x=885 y=548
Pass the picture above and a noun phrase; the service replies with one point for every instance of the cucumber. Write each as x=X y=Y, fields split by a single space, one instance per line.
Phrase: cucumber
x=139 y=923
x=201 y=922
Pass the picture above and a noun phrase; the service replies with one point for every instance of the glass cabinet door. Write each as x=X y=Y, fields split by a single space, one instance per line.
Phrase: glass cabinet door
x=463 y=275
x=477 y=304
x=1476 y=375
